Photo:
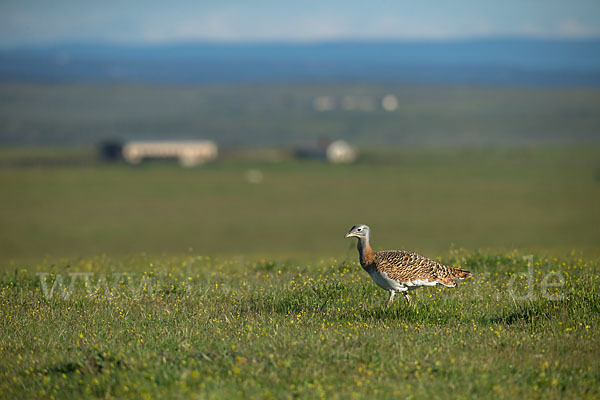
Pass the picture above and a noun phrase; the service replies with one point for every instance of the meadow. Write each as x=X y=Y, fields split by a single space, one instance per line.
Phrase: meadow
x=531 y=199
x=196 y=327
x=148 y=281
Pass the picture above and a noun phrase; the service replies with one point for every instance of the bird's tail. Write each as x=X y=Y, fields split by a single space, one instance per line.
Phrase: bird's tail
x=458 y=273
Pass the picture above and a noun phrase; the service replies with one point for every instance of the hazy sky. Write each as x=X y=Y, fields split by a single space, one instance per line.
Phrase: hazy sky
x=131 y=21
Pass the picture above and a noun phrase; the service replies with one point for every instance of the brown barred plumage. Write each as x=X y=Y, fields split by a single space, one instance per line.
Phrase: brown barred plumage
x=401 y=271
x=405 y=266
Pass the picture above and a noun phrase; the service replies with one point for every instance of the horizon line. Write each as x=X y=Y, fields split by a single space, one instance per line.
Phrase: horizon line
x=297 y=41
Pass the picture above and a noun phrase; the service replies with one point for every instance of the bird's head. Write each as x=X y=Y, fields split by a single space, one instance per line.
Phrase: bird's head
x=358 y=231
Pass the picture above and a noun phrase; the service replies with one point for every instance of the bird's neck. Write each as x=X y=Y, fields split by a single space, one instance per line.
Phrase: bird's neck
x=365 y=252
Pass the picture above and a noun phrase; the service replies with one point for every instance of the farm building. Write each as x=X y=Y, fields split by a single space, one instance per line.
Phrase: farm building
x=336 y=152
x=189 y=152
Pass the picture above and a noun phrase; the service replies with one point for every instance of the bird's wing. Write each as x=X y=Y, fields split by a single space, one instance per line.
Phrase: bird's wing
x=405 y=266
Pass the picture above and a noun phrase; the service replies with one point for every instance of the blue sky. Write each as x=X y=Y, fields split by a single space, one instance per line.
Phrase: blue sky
x=149 y=21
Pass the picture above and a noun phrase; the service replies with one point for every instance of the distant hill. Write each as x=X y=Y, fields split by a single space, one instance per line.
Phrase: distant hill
x=484 y=61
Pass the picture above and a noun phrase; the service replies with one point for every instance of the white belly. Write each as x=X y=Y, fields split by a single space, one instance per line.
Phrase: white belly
x=382 y=280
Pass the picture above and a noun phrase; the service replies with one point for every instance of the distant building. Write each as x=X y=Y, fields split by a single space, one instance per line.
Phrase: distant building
x=340 y=152
x=336 y=152
x=111 y=150
x=353 y=103
x=324 y=103
x=189 y=153
x=389 y=102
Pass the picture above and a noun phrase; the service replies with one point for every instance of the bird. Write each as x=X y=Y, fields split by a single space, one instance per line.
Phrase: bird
x=399 y=270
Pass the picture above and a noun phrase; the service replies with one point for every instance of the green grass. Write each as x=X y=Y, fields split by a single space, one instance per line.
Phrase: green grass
x=202 y=285
x=193 y=327
x=538 y=200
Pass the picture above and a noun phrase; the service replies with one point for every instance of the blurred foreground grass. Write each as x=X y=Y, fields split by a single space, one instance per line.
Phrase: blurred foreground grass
x=195 y=327
x=532 y=199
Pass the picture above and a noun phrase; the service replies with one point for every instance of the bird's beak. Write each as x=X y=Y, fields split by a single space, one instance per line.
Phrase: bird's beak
x=349 y=234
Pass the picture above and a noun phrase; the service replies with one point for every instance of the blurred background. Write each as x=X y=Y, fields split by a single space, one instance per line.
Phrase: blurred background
x=269 y=128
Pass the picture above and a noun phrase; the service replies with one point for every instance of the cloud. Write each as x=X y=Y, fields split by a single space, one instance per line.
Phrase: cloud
x=154 y=22
x=206 y=28
x=231 y=27
x=572 y=28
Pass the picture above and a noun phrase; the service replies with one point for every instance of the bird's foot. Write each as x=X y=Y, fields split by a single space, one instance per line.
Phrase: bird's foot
x=391 y=298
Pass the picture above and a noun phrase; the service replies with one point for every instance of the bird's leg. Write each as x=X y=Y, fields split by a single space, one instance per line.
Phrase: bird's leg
x=408 y=298
x=391 y=298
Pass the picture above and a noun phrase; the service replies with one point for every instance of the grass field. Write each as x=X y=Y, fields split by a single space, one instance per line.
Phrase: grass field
x=193 y=327
x=198 y=284
x=542 y=200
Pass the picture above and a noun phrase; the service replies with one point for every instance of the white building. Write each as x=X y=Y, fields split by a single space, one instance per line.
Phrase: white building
x=339 y=152
x=189 y=153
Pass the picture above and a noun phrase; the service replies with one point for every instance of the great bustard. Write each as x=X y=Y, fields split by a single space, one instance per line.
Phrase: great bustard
x=401 y=271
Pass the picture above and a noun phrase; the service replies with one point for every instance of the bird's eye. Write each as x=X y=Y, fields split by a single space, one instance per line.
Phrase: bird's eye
x=359 y=229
